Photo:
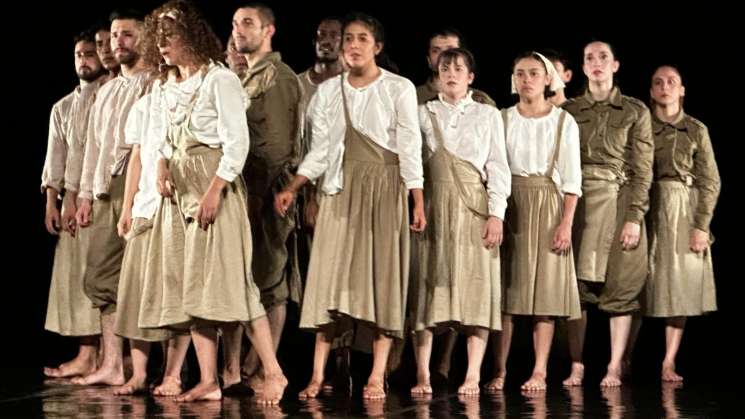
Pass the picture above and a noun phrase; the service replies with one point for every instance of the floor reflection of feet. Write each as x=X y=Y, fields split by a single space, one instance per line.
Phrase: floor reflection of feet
x=231 y=408
x=421 y=398
x=103 y=402
x=168 y=406
x=669 y=402
x=536 y=400
x=137 y=407
x=498 y=402
x=422 y=402
x=471 y=406
x=614 y=400
x=576 y=401
x=313 y=407
x=374 y=407
x=269 y=411
x=209 y=409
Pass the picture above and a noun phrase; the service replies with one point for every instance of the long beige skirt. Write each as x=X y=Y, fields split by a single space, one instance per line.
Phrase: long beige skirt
x=217 y=281
x=455 y=279
x=681 y=282
x=131 y=281
x=359 y=264
x=536 y=280
x=69 y=310
x=163 y=286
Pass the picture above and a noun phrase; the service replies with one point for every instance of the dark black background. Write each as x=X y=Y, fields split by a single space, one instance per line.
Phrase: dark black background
x=38 y=67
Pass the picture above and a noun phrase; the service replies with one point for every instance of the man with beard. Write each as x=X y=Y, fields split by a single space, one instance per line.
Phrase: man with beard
x=274 y=120
x=104 y=167
x=69 y=312
x=78 y=129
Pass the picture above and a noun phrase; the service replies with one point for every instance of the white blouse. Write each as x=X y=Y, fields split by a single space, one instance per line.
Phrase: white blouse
x=145 y=128
x=106 y=153
x=473 y=132
x=385 y=110
x=530 y=147
x=218 y=118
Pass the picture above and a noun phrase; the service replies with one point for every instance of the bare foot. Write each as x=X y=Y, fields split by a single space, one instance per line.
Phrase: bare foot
x=229 y=379
x=496 y=384
x=111 y=376
x=311 y=391
x=422 y=386
x=374 y=390
x=470 y=387
x=76 y=367
x=134 y=385
x=576 y=376
x=669 y=375
x=274 y=388
x=171 y=386
x=612 y=378
x=536 y=382
x=256 y=382
x=202 y=391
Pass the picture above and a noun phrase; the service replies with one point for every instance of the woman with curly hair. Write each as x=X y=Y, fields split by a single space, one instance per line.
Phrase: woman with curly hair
x=201 y=161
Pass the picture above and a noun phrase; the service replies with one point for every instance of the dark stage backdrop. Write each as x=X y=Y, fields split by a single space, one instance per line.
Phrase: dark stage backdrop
x=700 y=39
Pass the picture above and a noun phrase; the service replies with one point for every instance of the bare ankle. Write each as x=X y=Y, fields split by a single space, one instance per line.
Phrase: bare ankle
x=472 y=378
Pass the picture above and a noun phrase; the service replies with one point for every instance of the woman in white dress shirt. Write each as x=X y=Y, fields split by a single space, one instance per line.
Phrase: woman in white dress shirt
x=456 y=278
x=538 y=279
x=367 y=145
